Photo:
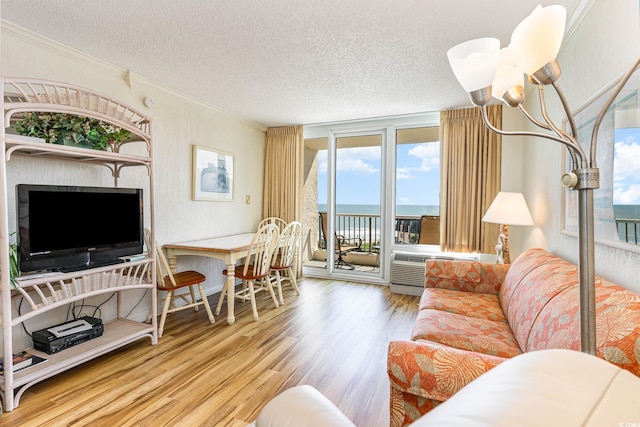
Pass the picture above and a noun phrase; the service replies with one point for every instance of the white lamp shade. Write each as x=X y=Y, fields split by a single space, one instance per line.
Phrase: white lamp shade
x=508 y=209
x=507 y=75
x=474 y=62
x=537 y=39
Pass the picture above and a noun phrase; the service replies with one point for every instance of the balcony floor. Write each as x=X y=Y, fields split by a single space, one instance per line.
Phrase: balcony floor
x=320 y=263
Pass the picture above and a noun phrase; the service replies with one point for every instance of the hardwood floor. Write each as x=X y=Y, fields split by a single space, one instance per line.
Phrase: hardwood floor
x=333 y=336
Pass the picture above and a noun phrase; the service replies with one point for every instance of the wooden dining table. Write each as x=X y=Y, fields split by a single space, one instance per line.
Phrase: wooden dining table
x=229 y=249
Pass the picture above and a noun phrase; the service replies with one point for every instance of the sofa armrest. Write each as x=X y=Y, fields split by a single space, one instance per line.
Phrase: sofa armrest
x=301 y=406
x=433 y=371
x=470 y=276
x=544 y=388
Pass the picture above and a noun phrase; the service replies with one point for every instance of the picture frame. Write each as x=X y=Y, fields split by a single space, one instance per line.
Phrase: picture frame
x=213 y=174
x=612 y=226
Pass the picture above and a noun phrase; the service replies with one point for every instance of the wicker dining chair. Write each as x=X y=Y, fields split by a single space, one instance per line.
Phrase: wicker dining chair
x=285 y=257
x=178 y=286
x=255 y=268
x=281 y=223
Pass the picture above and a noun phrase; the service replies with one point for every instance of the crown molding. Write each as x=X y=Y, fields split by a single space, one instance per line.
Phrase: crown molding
x=576 y=18
x=133 y=79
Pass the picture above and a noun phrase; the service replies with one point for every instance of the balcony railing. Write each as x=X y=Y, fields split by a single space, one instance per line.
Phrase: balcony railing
x=407 y=230
x=367 y=228
x=628 y=230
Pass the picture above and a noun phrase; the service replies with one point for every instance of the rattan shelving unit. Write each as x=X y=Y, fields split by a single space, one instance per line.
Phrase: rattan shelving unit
x=42 y=293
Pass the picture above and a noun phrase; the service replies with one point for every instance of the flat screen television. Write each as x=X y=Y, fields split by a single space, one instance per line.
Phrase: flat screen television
x=69 y=228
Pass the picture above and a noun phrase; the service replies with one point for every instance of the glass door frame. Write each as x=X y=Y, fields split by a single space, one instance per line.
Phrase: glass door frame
x=332 y=154
x=387 y=126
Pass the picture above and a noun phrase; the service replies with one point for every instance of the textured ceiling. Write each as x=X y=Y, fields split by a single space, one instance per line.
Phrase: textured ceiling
x=280 y=62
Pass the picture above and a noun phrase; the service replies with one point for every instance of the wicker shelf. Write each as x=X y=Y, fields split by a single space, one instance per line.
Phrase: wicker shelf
x=16 y=144
x=116 y=333
x=49 y=291
x=45 y=292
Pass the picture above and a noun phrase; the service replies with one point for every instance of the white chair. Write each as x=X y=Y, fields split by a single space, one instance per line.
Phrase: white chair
x=284 y=258
x=281 y=223
x=171 y=283
x=255 y=268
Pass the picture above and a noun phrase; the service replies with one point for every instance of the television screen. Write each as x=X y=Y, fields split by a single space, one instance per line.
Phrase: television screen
x=68 y=228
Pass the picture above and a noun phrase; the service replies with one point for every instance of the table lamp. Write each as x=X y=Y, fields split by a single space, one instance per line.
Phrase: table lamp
x=507 y=209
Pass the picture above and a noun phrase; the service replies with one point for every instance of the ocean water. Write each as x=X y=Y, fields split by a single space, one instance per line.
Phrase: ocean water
x=628 y=212
x=620 y=211
x=401 y=210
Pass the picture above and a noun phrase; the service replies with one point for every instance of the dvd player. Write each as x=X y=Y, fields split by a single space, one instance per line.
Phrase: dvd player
x=57 y=338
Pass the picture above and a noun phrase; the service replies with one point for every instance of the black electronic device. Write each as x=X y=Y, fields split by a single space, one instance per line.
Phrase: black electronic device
x=69 y=228
x=57 y=338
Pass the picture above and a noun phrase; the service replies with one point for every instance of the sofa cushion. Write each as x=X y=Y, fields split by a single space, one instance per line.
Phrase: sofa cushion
x=617 y=325
x=470 y=276
x=528 y=261
x=465 y=333
x=537 y=291
x=482 y=306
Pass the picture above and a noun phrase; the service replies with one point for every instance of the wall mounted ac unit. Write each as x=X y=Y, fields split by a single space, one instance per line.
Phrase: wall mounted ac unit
x=407 y=271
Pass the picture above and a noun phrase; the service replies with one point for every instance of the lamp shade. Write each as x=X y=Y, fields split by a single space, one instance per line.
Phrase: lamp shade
x=474 y=62
x=509 y=209
x=507 y=75
x=537 y=39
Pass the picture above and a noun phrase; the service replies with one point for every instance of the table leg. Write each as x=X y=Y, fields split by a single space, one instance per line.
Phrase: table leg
x=230 y=284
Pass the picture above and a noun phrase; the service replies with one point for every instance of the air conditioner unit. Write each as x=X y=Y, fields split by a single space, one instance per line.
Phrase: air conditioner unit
x=407 y=271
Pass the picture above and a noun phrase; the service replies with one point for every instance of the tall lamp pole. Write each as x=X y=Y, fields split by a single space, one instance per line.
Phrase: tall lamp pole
x=485 y=70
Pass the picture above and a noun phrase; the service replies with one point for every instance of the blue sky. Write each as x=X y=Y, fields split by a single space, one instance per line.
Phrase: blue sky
x=418 y=173
x=626 y=178
x=358 y=178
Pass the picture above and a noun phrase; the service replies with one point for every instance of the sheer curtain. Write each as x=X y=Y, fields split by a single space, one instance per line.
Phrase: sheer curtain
x=282 y=192
x=470 y=178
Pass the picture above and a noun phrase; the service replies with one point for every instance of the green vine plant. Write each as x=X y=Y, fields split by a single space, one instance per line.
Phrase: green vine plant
x=83 y=131
x=14 y=267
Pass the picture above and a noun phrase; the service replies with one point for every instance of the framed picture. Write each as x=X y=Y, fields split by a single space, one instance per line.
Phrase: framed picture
x=212 y=174
x=617 y=201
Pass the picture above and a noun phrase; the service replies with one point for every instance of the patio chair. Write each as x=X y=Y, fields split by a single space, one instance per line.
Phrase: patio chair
x=429 y=230
x=343 y=245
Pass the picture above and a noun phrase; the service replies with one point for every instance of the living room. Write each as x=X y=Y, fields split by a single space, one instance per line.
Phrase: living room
x=591 y=57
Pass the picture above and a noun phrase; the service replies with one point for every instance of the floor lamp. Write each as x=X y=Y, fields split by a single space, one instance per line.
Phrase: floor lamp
x=484 y=70
x=507 y=209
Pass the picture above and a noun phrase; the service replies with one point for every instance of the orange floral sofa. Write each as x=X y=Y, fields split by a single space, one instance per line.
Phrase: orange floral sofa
x=472 y=316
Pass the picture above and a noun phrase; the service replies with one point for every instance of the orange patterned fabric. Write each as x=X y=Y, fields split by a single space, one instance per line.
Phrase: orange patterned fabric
x=472 y=316
x=465 y=333
x=424 y=373
x=405 y=408
x=518 y=271
x=617 y=325
x=482 y=306
x=534 y=293
x=470 y=276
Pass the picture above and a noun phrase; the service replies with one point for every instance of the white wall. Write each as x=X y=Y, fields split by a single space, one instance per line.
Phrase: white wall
x=511 y=177
x=178 y=122
x=604 y=45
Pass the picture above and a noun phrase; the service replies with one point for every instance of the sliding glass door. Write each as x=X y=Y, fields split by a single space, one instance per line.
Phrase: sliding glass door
x=348 y=195
x=368 y=192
